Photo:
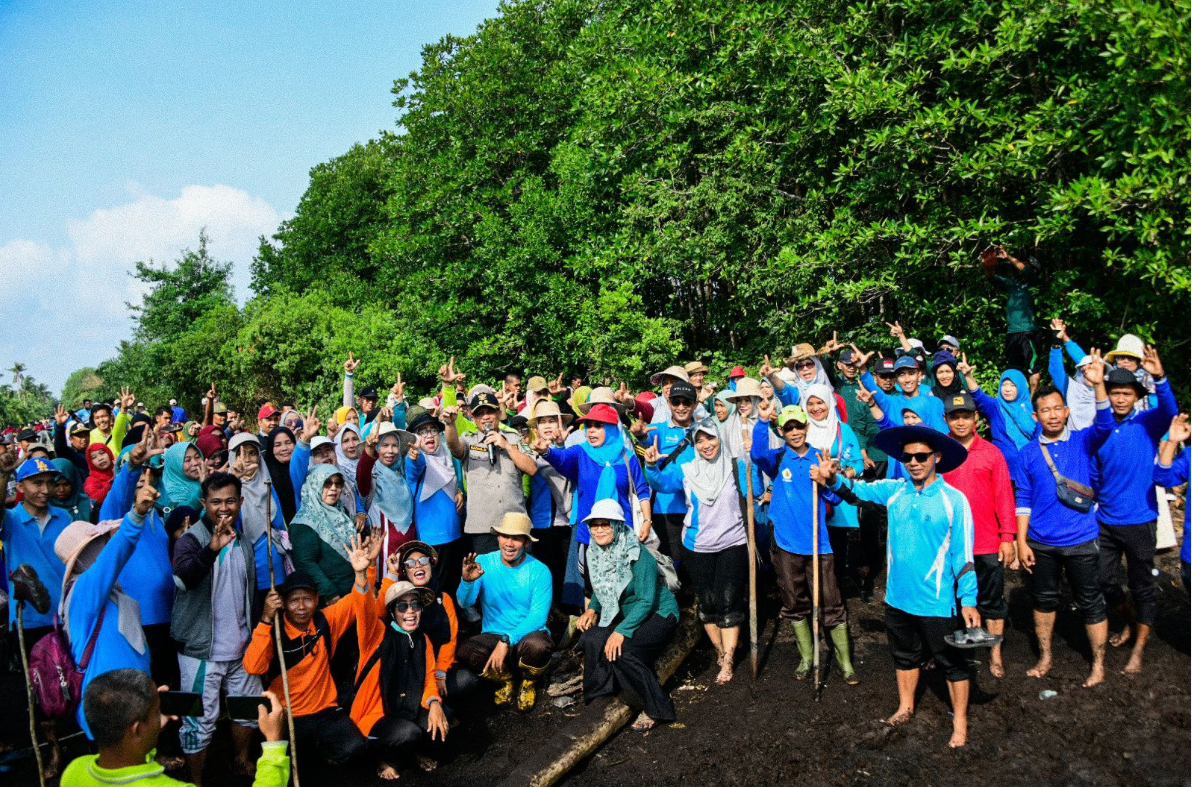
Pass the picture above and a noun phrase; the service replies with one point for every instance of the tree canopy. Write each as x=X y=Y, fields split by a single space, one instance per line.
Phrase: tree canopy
x=606 y=186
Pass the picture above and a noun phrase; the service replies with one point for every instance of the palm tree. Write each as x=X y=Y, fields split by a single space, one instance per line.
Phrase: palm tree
x=18 y=369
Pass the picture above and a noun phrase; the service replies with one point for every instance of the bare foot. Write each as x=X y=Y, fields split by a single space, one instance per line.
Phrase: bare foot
x=726 y=670
x=1040 y=669
x=1121 y=638
x=1134 y=665
x=643 y=723
x=958 y=739
x=1096 y=675
x=996 y=669
x=901 y=716
x=387 y=772
x=426 y=763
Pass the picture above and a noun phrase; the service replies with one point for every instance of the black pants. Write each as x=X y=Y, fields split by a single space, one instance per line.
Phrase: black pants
x=482 y=544
x=991 y=587
x=461 y=682
x=872 y=520
x=838 y=539
x=719 y=580
x=632 y=673
x=669 y=528
x=533 y=650
x=163 y=655
x=553 y=545
x=1021 y=353
x=913 y=639
x=448 y=570
x=1137 y=543
x=1081 y=562
x=333 y=732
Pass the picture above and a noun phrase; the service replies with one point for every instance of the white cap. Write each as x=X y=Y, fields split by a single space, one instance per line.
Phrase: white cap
x=319 y=442
x=173 y=402
x=609 y=508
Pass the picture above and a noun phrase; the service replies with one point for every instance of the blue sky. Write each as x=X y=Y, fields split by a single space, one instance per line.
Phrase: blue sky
x=125 y=127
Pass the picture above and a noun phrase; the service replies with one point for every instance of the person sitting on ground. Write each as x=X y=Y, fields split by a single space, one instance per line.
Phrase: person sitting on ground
x=931 y=562
x=630 y=618
x=319 y=532
x=123 y=707
x=309 y=637
x=514 y=592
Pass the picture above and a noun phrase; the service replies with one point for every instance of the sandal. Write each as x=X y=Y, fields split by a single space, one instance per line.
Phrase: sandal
x=972 y=638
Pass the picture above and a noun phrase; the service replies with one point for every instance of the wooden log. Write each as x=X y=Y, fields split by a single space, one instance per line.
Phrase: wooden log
x=581 y=736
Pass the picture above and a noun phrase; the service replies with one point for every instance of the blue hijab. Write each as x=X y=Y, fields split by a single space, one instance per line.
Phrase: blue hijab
x=1020 y=426
x=391 y=494
x=180 y=490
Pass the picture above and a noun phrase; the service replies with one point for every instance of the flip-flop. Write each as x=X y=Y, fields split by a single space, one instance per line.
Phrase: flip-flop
x=972 y=638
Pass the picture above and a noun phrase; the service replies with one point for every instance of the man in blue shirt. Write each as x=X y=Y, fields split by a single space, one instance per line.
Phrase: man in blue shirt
x=1055 y=536
x=930 y=551
x=28 y=533
x=1127 y=507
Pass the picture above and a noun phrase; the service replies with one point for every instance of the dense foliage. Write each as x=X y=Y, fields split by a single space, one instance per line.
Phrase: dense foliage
x=606 y=186
x=23 y=399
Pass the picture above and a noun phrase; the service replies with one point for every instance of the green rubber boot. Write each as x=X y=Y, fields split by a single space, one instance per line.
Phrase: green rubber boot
x=803 y=640
x=843 y=650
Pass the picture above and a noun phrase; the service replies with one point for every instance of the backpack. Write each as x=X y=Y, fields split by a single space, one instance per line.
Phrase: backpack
x=57 y=681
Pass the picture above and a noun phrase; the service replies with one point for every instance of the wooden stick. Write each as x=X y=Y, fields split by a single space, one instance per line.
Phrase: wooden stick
x=549 y=761
x=752 y=535
x=41 y=771
x=281 y=656
x=815 y=587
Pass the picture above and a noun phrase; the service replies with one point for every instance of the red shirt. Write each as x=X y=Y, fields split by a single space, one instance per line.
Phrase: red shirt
x=984 y=479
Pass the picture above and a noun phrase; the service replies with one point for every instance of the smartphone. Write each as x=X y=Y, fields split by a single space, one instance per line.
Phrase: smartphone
x=181 y=703
x=245 y=708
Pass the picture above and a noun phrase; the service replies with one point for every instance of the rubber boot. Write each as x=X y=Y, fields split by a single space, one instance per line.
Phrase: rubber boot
x=803 y=640
x=843 y=650
x=527 y=693
x=504 y=679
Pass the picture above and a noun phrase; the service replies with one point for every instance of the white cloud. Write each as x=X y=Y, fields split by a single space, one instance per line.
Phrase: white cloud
x=64 y=306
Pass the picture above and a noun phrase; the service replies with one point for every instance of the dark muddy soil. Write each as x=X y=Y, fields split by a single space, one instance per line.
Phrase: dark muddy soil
x=1128 y=731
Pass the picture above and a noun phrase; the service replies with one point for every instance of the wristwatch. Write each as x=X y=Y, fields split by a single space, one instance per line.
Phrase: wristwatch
x=504 y=638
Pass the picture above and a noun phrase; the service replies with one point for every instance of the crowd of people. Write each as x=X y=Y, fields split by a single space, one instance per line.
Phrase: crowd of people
x=405 y=561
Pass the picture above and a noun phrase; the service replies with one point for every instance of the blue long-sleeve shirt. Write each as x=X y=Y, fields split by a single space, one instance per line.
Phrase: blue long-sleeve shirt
x=514 y=600
x=1053 y=523
x=790 y=501
x=1173 y=475
x=930 y=408
x=579 y=468
x=437 y=520
x=669 y=436
x=90 y=594
x=1125 y=468
x=930 y=545
x=28 y=541
x=989 y=408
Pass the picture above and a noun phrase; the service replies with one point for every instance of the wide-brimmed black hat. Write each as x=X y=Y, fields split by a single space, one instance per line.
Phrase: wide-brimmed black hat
x=1117 y=377
x=952 y=454
x=421 y=420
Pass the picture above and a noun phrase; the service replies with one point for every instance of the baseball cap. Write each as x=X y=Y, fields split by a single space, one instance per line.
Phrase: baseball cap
x=267 y=409
x=846 y=356
x=682 y=389
x=319 y=442
x=220 y=407
x=369 y=392
x=952 y=340
x=960 y=401
x=518 y=421
x=27 y=434
x=32 y=467
x=905 y=362
x=484 y=399
x=884 y=366
x=173 y=402
x=299 y=580
x=792 y=412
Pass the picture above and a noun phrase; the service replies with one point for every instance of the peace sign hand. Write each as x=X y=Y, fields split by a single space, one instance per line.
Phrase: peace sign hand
x=351 y=364
x=127 y=400
x=1094 y=371
x=555 y=386
x=896 y=329
x=825 y=472
x=622 y=393
x=652 y=455
x=859 y=358
x=540 y=445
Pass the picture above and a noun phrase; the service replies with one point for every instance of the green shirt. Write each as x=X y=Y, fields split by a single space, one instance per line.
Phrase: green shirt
x=642 y=597
x=273 y=770
x=1020 y=304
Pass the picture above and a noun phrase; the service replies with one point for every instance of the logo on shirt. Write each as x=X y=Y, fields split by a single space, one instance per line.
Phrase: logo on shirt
x=786 y=474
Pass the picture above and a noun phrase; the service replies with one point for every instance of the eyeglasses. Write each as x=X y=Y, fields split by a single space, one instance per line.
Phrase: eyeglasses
x=920 y=457
x=415 y=562
x=407 y=606
x=598 y=523
x=804 y=364
x=680 y=401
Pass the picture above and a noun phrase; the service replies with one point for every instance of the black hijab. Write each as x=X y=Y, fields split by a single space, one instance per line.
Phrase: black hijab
x=941 y=392
x=279 y=473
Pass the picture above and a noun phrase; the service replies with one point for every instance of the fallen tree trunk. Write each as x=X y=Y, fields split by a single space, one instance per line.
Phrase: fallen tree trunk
x=582 y=735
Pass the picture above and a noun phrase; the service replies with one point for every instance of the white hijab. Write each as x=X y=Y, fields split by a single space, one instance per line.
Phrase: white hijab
x=822 y=434
x=347 y=467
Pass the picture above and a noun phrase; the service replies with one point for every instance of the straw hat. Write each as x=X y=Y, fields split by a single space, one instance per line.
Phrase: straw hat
x=1129 y=346
x=545 y=408
x=746 y=386
x=601 y=395
x=695 y=367
x=515 y=523
x=403 y=588
x=80 y=544
x=799 y=352
x=537 y=383
x=404 y=438
x=678 y=372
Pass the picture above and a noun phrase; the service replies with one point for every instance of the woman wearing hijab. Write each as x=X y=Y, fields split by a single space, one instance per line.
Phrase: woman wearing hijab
x=714 y=538
x=947 y=380
x=438 y=498
x=183 y=477
x=747 y=398
x=723 y=404
x=803 y=370
x=287 y=461
x=629 y=619
x=260 y=506
x=1010 y=414
x=347 y=456
x=67 y=493
x=320 y=530
x=826 y=432
x=102 y=466
x=382 y=476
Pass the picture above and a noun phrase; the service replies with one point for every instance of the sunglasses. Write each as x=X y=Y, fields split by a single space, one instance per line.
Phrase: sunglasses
x=919 y=456
x=805 y=364
x=682 y=402
x=334 y=484
x=415 y=562
x=598 y=523
x=407 y=606
x=886 y=375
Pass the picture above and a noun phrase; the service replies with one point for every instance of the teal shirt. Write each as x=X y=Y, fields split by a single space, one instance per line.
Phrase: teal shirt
x=1020 y=304
x=643 y=596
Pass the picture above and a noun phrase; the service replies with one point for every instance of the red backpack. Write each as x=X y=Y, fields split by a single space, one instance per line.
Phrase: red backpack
x=57 y=681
